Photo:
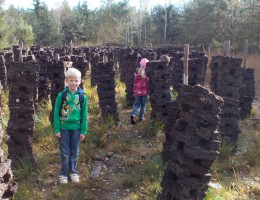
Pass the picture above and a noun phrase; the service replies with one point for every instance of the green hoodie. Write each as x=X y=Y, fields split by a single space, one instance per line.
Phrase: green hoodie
x=71 y=116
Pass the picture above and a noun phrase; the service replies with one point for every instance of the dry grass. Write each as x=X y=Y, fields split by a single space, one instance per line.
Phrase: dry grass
x=138 y=152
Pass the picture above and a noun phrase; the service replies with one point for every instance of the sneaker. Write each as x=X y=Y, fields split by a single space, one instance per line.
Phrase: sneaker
x=133 y=121
x=143 y=120
x=63 y=179
x=74 y=178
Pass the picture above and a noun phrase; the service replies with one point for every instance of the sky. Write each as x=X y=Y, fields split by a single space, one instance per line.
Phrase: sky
x=92 y=4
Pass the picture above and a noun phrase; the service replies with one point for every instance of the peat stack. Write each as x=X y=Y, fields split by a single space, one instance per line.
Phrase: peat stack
x=159 y=88
x=246 y=92
x=9 y=58
x=7 y=186
x=1 y=87
x=56 y=74
x=3 y=72
x=171 y=115
x=197 y=68
x=195 y=141
x=225 y=82
x=22 y=89
x=128 y=62
x=86 y=52
x=106 y=90
x=44 y=83
x=94 y=60
x=80 y=63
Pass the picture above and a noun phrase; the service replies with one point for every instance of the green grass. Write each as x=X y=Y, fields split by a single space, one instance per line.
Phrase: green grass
x=143 y=168
x=147 y=177
x=91 y=92
x=121 y=94
x=99 y=130
x=150 y=128
x=252 y=153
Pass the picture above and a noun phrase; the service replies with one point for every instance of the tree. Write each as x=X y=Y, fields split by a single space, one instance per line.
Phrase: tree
x=23 y=32
x=204 y=21
x=5 y=31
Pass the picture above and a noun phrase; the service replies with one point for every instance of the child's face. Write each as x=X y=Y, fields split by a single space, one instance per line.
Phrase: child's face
x=73 y=83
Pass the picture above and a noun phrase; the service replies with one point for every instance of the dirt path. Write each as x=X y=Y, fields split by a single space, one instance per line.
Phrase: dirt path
x=129 y=150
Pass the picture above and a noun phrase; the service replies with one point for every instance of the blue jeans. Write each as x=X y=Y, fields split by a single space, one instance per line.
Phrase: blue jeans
x=140 y=101
x=69 y=151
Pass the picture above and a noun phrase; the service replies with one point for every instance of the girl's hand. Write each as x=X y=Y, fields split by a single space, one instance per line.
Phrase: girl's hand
x=82 y=137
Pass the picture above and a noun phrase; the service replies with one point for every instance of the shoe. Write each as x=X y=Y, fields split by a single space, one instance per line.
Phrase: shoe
x=63 y=179
x=74 y=178
x=143 y=120
x=133 y=121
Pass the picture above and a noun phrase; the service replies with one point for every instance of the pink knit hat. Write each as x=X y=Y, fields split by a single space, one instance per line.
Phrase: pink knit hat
x=143 y=62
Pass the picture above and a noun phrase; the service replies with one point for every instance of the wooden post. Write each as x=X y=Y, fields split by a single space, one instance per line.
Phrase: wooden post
x=245 y=53
x=165 y=25
x=226 y=48
x=186 y=65
x=1 y=87
x=57 y=57
x=71 y=48
x=20 y=59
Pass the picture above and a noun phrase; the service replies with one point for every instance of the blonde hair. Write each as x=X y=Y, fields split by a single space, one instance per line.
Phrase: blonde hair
x=73 y=72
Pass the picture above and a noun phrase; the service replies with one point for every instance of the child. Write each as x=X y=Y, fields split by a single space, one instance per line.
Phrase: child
x=140 y=92
x=70 y=124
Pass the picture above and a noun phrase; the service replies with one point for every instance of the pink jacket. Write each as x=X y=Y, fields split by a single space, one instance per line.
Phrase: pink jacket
x=140 y=85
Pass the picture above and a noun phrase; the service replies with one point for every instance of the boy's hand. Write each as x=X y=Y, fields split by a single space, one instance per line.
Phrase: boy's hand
x=82 y=137
x=57 y=135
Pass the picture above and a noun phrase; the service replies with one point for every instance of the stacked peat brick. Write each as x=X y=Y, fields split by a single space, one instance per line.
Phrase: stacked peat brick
x=195 y=141
x=7 y=187
x=159 y=88
x=225 y=82
x=9 y=58
x=80 y=63
x=176 y=66
x=128 y=62
x=56 y=75
x=171 y=115
x=1 y=106
x=77 y=51
x=246 y=92
x=86 y=52
x=106 y=90
x=43 y=57
x=22 y=89
x=94 y=60
x=62 y=51
x=3 y=72
x=197 y=67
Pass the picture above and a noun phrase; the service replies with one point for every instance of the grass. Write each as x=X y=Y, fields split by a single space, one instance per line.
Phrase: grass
x=121 y=94
x=91 y=92
x=252 y=153
x=99 y=130
x=147 y=177
x=150 y=128
x=236 y=172
x=143 y=168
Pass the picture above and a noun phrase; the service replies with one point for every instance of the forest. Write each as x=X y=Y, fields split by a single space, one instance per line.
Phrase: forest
x=200 y=23
x=200 y=138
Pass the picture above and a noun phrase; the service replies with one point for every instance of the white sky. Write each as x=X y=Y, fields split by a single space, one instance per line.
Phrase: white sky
x=91 y=3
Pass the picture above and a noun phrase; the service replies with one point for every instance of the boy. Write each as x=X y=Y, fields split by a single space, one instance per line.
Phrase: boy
x=70 y=124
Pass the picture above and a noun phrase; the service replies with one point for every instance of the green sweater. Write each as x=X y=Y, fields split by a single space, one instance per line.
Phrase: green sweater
x=71 y=116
